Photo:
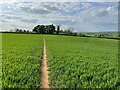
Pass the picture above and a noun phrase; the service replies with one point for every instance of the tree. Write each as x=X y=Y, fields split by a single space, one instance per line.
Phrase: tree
x=61 y=31
x=50 y=29
x=82 y=35
x=68 y=32
x=39 y=29
x=75 y=34
x=44 y=29
x=36 y=29
x=58 y=29
x=24 y=31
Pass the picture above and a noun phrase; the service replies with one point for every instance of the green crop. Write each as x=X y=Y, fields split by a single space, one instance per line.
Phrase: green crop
x=0 y=60
x=21 y=60
x=73 y=62
x=76 y=62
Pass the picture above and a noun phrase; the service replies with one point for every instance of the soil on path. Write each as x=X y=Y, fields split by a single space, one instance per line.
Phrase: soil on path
x=44 y=77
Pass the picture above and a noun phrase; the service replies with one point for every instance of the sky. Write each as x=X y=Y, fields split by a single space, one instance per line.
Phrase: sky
x=81 y=15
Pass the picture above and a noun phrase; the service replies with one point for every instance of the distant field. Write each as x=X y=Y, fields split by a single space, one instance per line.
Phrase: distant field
x=73 y=62
x=76 y=62
x=21 y=60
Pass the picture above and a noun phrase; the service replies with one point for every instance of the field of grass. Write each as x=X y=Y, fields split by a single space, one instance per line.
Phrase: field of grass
x=76 y=62
x=21 y=60
x=73 y=62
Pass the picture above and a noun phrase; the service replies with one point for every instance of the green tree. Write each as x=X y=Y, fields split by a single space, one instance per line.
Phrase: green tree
x=42 y=29
x=58 y=29
x=50 y=29
x=36 y=29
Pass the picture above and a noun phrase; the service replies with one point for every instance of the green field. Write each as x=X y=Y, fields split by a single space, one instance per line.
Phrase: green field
x=21 y=60
x=73 y=62
x=82 y=62
x=0 y=60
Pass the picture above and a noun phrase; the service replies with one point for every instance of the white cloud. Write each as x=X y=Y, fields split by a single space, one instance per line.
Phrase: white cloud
x=29 y=20
x=11 y=1
x=80 y=15
x=76 y=0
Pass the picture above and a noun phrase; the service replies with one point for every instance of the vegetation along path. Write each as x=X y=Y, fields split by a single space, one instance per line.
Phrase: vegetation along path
x=44 y=78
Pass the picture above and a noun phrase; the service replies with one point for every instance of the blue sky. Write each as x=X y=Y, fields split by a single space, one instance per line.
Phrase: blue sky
x=90 y=15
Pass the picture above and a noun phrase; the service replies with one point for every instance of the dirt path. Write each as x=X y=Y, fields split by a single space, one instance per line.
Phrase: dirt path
x=44 y=77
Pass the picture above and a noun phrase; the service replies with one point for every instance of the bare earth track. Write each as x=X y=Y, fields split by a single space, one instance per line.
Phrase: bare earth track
x=44 y=77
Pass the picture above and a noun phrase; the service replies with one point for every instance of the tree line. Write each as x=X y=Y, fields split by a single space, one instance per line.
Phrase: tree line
x=52 y=29
x=45 y=29
x=55 y=29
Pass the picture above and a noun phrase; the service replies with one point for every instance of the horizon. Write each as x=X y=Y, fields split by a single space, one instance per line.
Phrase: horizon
x=73 y=31
x=81 y=16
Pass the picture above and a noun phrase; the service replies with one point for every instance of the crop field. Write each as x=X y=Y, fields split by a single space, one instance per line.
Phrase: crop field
x=73 y=62
x=0 y=60
x=21 y=60
x=82 y=62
